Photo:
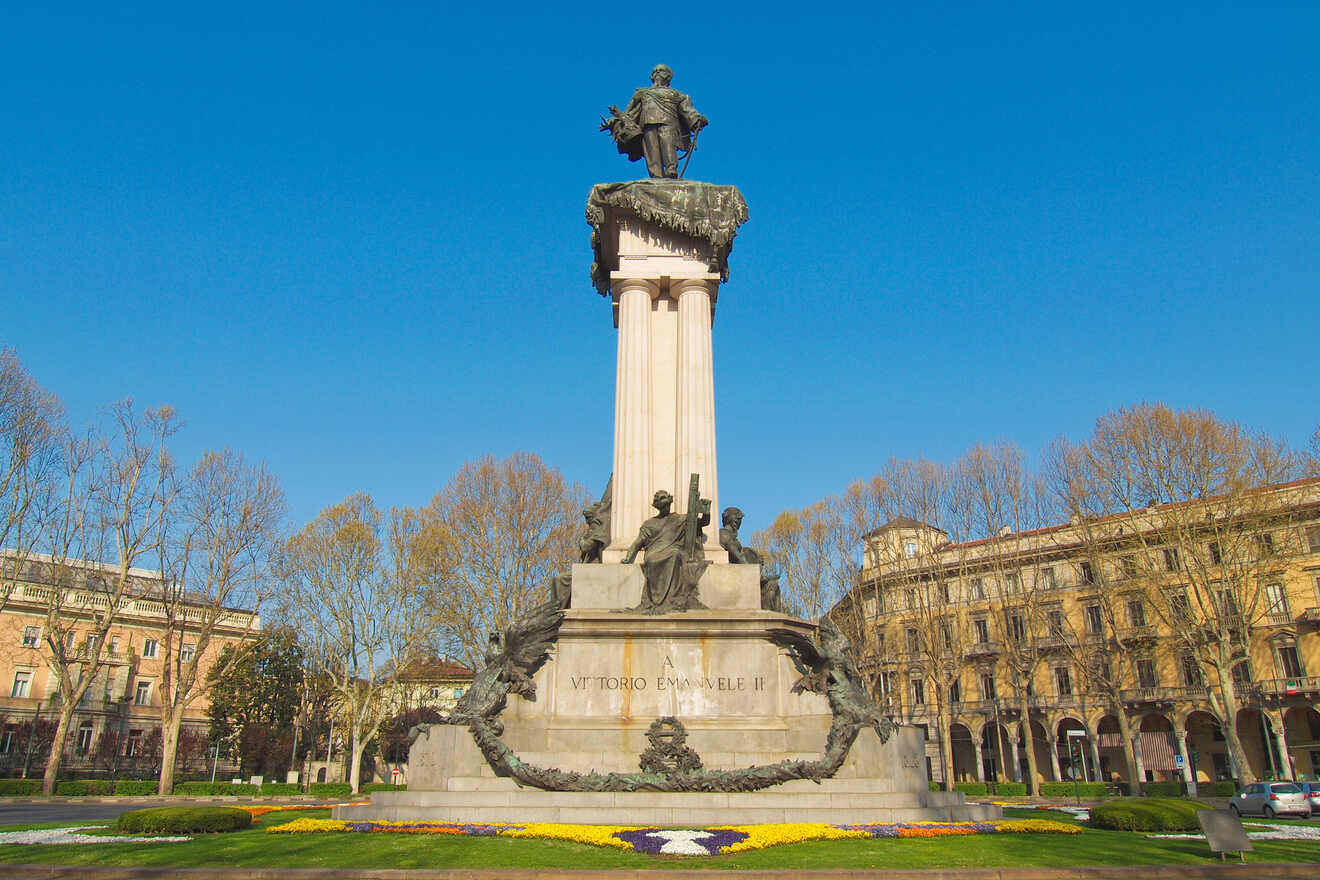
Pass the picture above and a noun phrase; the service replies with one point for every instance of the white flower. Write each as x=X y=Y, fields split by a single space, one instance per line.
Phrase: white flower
x=682 y=843
x=75 y=835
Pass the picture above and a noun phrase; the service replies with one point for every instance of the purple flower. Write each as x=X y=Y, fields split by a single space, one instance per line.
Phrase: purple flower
x=664 y=841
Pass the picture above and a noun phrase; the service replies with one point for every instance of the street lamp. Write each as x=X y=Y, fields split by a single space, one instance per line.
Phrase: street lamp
x=1074 y=736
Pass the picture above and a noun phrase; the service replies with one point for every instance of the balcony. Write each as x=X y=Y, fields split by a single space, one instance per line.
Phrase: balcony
x=1310 y=615
x=1137 y=634
x=1275 y=618
x=984 y=649
x=1307 y=686
x=1055 y=643
x=1161 y=696
x=1053 y=701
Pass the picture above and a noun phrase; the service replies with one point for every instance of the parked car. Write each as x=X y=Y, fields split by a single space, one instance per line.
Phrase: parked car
x=1312 y=792
x=1271 y=799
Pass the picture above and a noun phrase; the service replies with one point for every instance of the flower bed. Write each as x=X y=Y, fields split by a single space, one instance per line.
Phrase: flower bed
x=715 y=840
x=61 y=836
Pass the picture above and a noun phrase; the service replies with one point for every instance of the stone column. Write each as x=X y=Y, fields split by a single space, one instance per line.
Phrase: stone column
x=1140 y=769
x=632 y=414
x=1094 y=739
x=1054 y=759
x=1189 y=778
x=696 y=397
x=1016 y=770
x=980 y=763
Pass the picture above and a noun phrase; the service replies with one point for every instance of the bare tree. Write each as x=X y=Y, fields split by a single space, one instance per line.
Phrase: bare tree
x=491 y=539
x=31 y=429
x=215 y=563
x=817 y=550
x=1203 y=530
x=118 y=490
x=359 y=601
x=995 y=494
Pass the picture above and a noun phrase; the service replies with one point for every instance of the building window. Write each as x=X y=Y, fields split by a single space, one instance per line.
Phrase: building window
x=1313 y=538
x=913 y=641
x=1146 y=676
x=918 y=692
x=955 y=691
x=22 y=683
x=1088 y=573
x=1048 y=579
x=982 y=629
x=458 y=692
x=142 y=695
x=1017 y=629
x=187 y=652
x=1216 y=553
x=114 y=644
x=1054 y=619
x=150 y=648
x=944 y=591
x=987 y=686
x=70 y=638
x=1228 y=606
x=433 y=694
x=1181 y=608
x=1136 y=613
x=84 y=743
x=133 y=744
x=909 y=549
x=31 y=635
x=1289 y=662
x=1062 y=681
x=910 y=597
x=1265 y=544
x=946 y=635
x=1275 y=600
x=1191 y=671
x=1170 y=558
x=885 y=683
x=1013 y=582
x=1094 y=622
x=978 y=587
x=1242 y=674
x=7 y=739
x=1127 y=566
x=93 y=644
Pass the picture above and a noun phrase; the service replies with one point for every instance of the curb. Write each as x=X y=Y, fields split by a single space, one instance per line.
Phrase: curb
x=1101 y=872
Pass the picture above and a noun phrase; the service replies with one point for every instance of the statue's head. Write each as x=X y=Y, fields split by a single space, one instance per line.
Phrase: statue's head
x=589 y=512
x=661 y=75
x=662 y=500
x=732 y=516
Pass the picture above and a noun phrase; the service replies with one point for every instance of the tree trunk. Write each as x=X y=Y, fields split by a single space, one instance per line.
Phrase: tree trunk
x=946 y=748
x=355 y=770
x=1029 y=742
x=169 y=749
x=56 y=747
x=1228 y=724
x=1129 y=753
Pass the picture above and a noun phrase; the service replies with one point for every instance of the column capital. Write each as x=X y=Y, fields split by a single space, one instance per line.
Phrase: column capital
x=626 y=284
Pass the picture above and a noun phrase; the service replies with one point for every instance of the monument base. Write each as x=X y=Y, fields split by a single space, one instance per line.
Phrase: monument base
x=878 y=783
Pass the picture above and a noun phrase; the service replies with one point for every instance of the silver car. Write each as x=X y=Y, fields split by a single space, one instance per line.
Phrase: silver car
x=1271 y=799
x=1312 y=792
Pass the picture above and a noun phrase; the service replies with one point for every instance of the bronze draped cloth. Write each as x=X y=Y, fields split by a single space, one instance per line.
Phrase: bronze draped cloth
x=704 y=211
x=662 y=539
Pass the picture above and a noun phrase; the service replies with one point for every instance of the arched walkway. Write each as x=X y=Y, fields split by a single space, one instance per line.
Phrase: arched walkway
x=1113 y=759
x=1044 y=762
x=964 y=753
x=1074 y=762
x=1207 y=748
x=1158 y=750
x=996 y=753
x=1302 y=724
x=1255 y=731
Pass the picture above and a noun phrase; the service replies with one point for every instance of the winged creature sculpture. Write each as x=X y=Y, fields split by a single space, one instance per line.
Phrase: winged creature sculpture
x=827 y=668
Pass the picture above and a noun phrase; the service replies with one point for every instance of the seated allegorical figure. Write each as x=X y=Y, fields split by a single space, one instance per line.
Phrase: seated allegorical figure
x=732 y=519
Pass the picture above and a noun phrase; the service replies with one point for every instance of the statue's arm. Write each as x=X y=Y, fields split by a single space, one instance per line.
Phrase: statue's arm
x=695 y=120
x=642 y=537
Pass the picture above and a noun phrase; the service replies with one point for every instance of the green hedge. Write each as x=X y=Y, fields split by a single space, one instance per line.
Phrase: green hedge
x=183 y=820
x=19 y=787
x=382 y=786
x=280 y=788
x=1147 y=814
x=1224 y=789
x=330 y=789
x=137 y=787
x=84 y=787
x=1011 y=789
x=1164 y=789
x=976 y=788
x=1067 y=789
x=201 y=789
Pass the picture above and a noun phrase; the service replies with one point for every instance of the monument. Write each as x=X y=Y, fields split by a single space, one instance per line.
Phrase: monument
x=661 y=684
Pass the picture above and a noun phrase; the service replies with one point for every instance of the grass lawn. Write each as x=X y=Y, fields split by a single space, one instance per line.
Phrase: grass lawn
x=255 y=848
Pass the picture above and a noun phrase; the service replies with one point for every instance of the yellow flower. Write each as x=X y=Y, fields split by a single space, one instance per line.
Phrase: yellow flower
x=596 y=835
x=298 y=826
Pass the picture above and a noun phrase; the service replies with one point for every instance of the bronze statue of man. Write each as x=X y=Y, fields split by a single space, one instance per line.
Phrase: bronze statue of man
x=738 y=554
x=669 y=585
x=658 y=122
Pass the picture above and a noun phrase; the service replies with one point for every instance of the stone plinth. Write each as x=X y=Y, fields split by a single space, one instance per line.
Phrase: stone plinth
x=618 y=587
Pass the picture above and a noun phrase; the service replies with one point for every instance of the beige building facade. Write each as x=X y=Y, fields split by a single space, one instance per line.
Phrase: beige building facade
x=116 y=728
x=954 y=635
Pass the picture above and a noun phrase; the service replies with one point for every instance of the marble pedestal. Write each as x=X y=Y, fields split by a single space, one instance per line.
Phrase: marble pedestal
x=716 y=670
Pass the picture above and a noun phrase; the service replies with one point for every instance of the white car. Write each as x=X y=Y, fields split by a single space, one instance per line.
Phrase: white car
x=1271 y=799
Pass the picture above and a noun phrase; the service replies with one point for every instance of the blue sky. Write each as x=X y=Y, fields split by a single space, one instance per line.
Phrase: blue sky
x=348 y=239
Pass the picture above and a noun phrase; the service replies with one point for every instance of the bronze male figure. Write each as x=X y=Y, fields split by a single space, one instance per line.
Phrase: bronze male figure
x=658 y=122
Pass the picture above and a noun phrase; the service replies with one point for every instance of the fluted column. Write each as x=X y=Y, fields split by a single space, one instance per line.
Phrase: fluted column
x=1094 y=739
x=1054 y=759
x=632 y=414
x=696 y=397
x=1188 y=775
x=980 y=761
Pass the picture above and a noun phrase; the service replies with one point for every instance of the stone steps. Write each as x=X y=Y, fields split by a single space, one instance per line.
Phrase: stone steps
x=837 y=785
x=769 y=799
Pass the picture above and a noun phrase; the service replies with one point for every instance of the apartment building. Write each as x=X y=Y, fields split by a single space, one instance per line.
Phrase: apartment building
x=116 y=729
x=1086 y=619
